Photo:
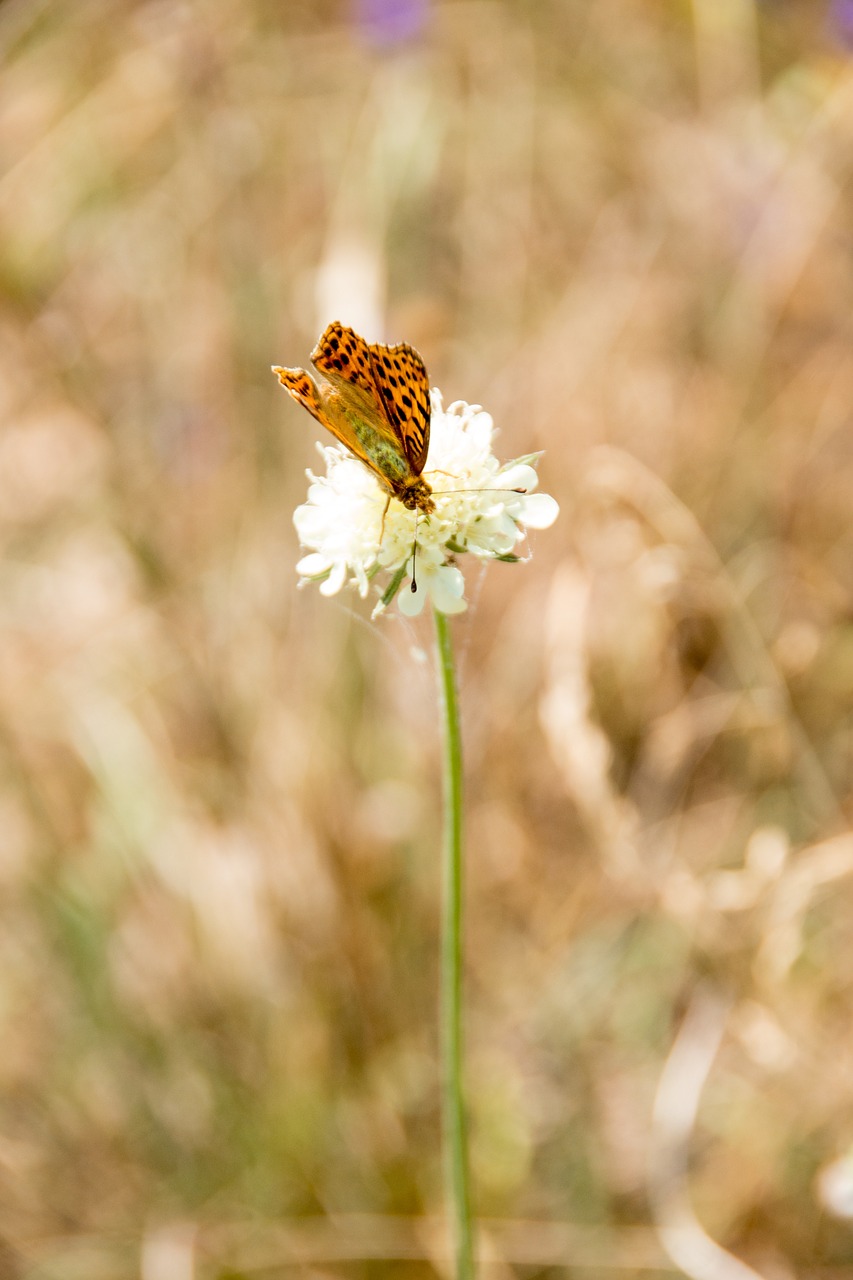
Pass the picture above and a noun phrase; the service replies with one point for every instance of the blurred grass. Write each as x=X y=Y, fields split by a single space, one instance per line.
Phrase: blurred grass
x=625 y=228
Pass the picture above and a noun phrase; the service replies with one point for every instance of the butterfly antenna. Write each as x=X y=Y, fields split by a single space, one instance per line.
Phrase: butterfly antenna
x=415 y=552
x=481 y=488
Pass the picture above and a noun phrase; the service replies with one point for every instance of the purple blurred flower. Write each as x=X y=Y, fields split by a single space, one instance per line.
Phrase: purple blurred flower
x=387 y=22
x=841 y=22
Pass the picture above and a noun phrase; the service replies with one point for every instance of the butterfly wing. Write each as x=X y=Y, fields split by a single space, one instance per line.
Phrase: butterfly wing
x=342 y=356
x=303 y=388
x=305 y=391
x=403 y=385
x=393 y=378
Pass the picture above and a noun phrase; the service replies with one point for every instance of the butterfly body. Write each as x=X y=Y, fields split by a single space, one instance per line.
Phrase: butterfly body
x=375 y=400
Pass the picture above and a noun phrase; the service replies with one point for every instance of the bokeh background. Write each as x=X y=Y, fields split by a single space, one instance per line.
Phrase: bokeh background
x=626 y=229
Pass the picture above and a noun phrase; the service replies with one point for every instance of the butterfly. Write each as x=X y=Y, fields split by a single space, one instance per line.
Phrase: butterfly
x=375 y=400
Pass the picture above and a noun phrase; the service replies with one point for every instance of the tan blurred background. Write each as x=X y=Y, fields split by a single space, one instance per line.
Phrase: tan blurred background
x=625 y=228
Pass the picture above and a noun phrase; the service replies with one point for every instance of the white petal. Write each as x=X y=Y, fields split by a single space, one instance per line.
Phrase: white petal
x=410 y=602
x=311 y=525
x=362 y=579
x=481 y=429
x=447 y=605
x=311 y=566
x=503 y=543
x=539 y=511
x=447 y=588
x=335 y=581
x=519 y=477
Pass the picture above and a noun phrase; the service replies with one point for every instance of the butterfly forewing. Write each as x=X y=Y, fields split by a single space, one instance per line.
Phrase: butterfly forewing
x=403 y=387
x=342 y=356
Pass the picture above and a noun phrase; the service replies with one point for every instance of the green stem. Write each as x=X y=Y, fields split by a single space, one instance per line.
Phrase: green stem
x=453 y=1108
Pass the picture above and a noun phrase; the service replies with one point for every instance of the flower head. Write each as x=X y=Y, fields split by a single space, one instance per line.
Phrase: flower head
x=353 y=534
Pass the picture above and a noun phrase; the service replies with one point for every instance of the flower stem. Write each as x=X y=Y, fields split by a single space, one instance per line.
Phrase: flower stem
x=453 y=1108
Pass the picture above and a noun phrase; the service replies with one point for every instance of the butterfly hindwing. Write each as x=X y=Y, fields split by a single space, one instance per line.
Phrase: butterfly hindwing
x=305 y=391
x=403 y=386
x=303 y=388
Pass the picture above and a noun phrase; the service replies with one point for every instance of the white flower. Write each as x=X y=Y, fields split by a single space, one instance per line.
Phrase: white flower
x=477 y=509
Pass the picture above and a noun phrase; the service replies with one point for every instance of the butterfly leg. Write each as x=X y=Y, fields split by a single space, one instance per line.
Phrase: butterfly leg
x=382 y=522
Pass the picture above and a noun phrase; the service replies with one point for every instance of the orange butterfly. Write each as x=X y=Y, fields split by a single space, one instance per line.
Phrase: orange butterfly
x=376 y=402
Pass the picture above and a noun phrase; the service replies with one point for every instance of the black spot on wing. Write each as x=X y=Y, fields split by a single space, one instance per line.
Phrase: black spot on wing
x=302 y=387
x=342 y=354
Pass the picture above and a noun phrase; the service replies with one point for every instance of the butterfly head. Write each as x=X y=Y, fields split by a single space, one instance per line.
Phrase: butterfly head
x=416 y=495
